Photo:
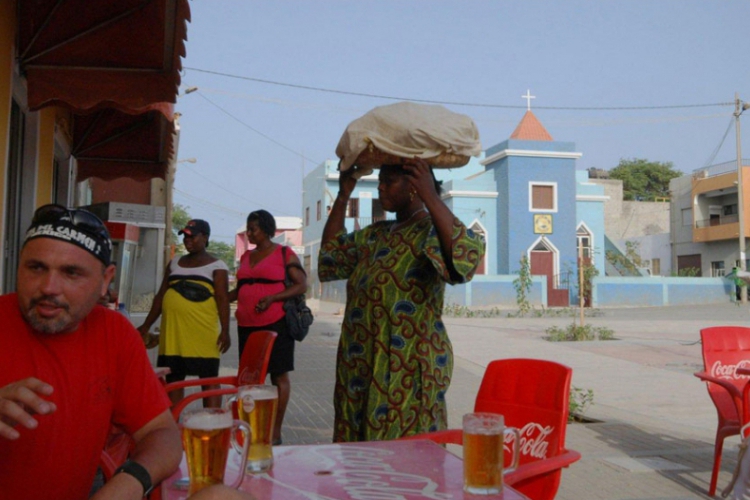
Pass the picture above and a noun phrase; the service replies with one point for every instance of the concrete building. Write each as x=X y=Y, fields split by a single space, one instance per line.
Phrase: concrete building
x=705 y=225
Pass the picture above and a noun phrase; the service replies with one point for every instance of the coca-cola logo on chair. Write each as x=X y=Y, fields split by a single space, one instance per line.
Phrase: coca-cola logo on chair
x=728 y=372
x=534 y=440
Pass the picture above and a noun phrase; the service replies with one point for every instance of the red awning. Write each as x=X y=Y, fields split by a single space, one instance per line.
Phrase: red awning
x=109 y=143
x=86 y=55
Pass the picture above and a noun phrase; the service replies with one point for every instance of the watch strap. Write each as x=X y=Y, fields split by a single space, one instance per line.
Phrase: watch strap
x=139 y=472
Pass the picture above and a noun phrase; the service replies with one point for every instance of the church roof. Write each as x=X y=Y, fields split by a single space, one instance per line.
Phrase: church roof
x=531 y=129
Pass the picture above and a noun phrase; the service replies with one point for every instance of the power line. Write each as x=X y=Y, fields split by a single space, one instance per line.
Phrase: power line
x=721 y=143
x=574 y=122
x=256 y=130
x=454 y=103
x=230 y=192
x=210 y=204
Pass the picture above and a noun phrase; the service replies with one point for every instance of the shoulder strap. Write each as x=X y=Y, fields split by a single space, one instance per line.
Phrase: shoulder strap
x=288 y=264
x=286 y=269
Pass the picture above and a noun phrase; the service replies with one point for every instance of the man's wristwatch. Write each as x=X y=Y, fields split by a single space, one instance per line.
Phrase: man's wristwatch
x=139 y=472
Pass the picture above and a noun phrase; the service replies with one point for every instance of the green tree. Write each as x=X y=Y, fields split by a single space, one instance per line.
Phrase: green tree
x=180 y=218
x=523 y=284
x=644 y=180
x=223 y=251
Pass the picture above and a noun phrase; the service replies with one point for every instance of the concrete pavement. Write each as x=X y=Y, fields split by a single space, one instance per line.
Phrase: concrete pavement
x=655 y=424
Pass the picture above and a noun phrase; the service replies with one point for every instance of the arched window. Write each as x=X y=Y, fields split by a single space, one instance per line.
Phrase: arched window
x=585 y=246
x=479 y=229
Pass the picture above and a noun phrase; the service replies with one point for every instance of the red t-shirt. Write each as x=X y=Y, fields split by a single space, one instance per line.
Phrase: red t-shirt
x=270 y=268
x=101 y=376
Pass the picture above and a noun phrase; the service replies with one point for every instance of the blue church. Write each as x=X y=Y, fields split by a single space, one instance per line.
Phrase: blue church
x=533 y=204
x=524 y=194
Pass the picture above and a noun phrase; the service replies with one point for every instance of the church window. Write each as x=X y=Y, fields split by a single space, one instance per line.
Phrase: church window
x=584 y=243
x=543 y=196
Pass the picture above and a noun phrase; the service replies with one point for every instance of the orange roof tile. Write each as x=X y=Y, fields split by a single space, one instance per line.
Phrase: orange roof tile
x=531 y=129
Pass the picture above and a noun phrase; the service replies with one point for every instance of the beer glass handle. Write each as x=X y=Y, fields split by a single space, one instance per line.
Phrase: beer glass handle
x=228 y=403
x=242 y=427
x=516 y=449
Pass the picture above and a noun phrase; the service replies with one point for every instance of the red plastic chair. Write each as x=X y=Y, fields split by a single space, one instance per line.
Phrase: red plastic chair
x=252 y=370
x=725 y=349
x=533 y=396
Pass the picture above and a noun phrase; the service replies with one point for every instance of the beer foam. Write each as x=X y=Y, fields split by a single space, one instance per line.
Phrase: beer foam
x=259 y=393
x=207 y=421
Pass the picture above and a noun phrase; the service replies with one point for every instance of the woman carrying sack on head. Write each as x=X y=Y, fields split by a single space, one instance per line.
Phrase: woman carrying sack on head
x=260 y=304
x=194 y=307
x=395 y=361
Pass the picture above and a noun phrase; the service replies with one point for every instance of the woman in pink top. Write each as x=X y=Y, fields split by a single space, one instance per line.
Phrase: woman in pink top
x=260 y=296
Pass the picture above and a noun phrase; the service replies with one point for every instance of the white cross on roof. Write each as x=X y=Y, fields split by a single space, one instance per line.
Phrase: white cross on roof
x=528 y=98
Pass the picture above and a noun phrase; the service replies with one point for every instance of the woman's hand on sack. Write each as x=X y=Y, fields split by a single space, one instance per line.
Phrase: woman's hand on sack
x=420 y=177
x=347 y=182
x=224 y=342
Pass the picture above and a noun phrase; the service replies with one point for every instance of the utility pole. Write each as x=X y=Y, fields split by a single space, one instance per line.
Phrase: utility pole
x=738 y=109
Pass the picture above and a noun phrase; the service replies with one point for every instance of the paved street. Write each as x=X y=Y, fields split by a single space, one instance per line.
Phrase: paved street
x=655 y=424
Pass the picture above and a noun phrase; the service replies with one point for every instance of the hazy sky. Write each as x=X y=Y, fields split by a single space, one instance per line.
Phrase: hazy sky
x=252 y=137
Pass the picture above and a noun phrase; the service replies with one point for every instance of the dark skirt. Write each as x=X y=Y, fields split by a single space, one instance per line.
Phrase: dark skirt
x=282 y=353
x=180 y=367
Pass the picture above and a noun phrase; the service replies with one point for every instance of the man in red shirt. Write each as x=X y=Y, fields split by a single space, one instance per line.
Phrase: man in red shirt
x=70 y=369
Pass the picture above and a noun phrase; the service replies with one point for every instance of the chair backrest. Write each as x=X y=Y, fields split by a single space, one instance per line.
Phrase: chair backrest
x=725 y=348
x=254 y=360
x=252 y=370
x=533 y=396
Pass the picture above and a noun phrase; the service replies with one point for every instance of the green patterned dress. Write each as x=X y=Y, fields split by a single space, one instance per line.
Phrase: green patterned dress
x=394 y=361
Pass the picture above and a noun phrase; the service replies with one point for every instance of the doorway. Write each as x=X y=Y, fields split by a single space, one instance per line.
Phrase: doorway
x=543 y=259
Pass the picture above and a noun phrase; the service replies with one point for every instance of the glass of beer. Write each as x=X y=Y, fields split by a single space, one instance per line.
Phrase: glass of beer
x=260 y=415
x=207 y=435
x=484 y=434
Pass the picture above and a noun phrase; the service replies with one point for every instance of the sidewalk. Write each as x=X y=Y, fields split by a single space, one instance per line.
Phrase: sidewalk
x=655 y=427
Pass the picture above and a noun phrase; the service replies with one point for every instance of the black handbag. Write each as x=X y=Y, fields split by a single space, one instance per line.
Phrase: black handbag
x=299 y=317
x=192 y=291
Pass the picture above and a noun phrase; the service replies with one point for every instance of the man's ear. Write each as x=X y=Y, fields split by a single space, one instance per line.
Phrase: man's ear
x=109 y=274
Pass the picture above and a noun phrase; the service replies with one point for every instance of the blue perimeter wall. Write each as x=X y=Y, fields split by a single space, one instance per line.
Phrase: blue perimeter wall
x=489 y=291
x=498 y=291
x=660 y=291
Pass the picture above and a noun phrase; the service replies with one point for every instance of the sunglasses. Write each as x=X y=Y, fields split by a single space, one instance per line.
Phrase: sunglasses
x=83 y=219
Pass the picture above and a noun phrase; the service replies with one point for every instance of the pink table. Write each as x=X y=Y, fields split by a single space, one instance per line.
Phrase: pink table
x=371 y=470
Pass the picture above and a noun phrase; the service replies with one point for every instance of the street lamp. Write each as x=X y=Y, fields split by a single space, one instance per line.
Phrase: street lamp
x=739 y=107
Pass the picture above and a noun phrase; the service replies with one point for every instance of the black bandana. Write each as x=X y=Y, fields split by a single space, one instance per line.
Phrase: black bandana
x=97 y=244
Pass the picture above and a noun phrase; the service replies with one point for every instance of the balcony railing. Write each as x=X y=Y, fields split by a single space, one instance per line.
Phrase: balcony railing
x=366 y=221
x=720 y=168
x=718 y=221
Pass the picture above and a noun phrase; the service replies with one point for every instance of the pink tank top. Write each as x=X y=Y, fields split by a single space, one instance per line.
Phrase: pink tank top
x=270 y=268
